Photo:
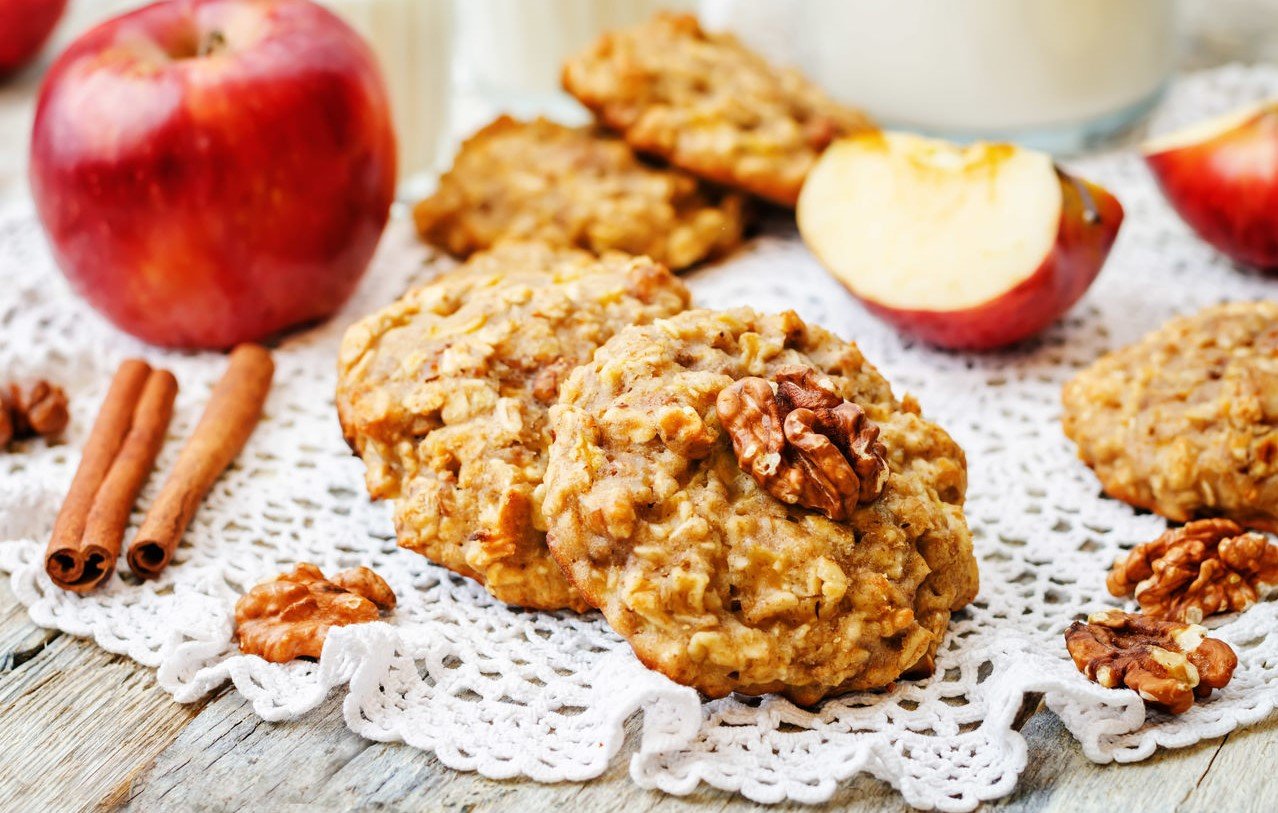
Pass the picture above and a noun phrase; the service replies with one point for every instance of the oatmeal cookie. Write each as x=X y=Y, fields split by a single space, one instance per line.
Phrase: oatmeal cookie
x=715 y=581
x=1185 y=422
x=706 y=103
x=574 y=187
x=444 y=394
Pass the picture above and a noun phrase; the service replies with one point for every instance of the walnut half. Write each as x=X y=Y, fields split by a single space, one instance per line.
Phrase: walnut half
x=1206 y=567
x=40 y=411
x=803 y=442
x=1168 y=663
x=290 y=616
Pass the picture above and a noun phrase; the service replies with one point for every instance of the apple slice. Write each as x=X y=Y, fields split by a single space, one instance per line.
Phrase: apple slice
x=1221 y=177
x=964 y=247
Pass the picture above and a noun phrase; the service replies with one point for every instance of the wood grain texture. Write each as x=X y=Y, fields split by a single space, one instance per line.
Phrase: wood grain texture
x=1240 y=774
x=74 y=720
x=1059 y=779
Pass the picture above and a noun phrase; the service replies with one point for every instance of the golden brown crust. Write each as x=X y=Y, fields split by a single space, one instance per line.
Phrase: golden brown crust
x=715 y=582
x=574 y=187
x=1185 y=421
x=706 y=103
x=444 y=394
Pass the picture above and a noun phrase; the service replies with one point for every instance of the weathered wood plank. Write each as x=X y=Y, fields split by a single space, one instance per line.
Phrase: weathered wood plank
x=1059 y=779
x=20 y=640
x=1241 y=776
x=75 y=722
x=228 y=758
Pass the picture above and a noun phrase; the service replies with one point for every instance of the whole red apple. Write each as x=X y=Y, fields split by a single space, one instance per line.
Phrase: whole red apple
x=1221 y=177
x=967 y=248
x=24 y=26
x=214 y=171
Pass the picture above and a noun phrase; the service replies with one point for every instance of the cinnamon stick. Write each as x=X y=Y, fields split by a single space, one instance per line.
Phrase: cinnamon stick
x=229 y=418
x=109 y=516
x=68 y=564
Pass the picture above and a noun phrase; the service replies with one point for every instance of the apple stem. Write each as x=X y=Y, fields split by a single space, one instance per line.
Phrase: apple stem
x=212 y=43
x=1091 y=213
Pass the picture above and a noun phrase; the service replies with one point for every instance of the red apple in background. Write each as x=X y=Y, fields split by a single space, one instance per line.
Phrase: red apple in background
x=24 y=26
x=1221 y=177
x=214 y=171
x=964 y=247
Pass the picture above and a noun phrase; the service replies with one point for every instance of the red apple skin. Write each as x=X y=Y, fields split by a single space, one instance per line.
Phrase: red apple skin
x=24 y=27
x=1090 y=219
x=205 y=201
x=1226 y=189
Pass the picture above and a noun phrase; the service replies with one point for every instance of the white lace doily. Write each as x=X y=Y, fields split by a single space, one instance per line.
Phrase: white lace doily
x=510 y=693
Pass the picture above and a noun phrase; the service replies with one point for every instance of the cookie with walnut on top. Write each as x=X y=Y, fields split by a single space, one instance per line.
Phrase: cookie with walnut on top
x=754 y=510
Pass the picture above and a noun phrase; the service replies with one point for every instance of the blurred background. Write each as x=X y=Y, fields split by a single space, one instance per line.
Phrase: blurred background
x=1062 y=75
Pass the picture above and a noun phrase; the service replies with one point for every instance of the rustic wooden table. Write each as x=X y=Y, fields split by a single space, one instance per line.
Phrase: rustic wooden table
x=81 y=729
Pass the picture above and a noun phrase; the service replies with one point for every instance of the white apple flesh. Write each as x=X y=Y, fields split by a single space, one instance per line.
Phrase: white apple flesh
x=965 y=248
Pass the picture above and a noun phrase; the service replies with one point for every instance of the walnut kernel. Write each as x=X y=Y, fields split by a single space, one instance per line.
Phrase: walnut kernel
x=290 y=616
x=1167 y=663
x=1206 y=567
x=40 y=412
x=803 y=443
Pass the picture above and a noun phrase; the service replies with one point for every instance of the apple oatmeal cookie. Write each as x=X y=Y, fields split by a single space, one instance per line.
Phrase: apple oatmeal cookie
x=444 y=394
x=706 y=103
x=574 y=187
x=707 y=540
x=1185 y=422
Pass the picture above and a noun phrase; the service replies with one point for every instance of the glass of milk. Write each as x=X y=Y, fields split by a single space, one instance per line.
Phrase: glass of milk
x=1061 y=75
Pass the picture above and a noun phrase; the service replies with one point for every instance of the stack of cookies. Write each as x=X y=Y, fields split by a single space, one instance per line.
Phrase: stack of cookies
x=689 y=126
x=740 y=494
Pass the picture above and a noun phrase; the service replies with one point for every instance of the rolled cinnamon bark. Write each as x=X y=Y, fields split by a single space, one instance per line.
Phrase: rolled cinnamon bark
x=67 y=562
x=229 y=418
x=109 y=516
